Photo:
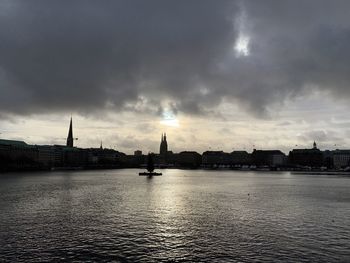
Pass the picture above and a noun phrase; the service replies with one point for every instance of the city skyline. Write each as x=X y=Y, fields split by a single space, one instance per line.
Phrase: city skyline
x=223 y=74
x=163 y=146
x=20 y=156
x=150 y=141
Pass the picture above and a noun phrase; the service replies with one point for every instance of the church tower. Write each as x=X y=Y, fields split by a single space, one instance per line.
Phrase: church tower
x=70 y=134
x=163 y=145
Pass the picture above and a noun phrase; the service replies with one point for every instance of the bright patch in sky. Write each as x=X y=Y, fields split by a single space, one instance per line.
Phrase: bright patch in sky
x=242 y=46
x=172 y=123
x=169 y=119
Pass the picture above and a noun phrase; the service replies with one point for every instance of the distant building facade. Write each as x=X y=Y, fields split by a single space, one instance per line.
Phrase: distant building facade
x=17 y=154
x=241 y=158
x=46 y=155
x=137 y=153
x=272 y=158
x=306 y=157
x=188 y=159
x=215 y=158
x=341 y=159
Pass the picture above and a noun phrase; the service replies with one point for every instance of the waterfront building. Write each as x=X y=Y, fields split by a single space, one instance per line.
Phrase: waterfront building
x=341 y=159
x=102 y=156
x=46 y=155
x=241 y=158
x=18 y=149
x=270 y=158
x=306 y=157
x=215 y=158
x=137 y=153
x=17 y=155
x=189 y=159
x=58 y=155
x=328 y=157
x=75 y=157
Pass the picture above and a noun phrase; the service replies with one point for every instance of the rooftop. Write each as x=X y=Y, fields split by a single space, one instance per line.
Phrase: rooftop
x=13 y=143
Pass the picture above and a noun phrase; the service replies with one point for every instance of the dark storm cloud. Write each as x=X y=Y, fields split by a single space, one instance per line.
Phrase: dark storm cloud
x=88 y=55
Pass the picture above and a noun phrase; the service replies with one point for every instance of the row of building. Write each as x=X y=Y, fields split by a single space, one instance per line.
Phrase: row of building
x=296 y=159
x=18 y=155
x=312 y=158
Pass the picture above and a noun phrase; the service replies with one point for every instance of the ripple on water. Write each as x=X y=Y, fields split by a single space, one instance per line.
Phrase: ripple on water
x=118 y=216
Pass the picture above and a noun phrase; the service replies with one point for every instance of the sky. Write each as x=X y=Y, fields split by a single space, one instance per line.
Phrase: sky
x=214 y=75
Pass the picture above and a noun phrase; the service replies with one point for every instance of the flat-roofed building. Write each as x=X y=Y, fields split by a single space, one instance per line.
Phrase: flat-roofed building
x=189 y=159
x=46 y=155
x=307 y=157
x=341 y=159
x=18 y=149
x=212 y=158
x=241 y=158
x=268 y=158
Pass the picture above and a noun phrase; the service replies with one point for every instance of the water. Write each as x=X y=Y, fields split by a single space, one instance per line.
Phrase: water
x=197 y=216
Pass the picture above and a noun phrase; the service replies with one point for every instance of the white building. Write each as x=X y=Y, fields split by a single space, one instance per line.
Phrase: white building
x=341 y=159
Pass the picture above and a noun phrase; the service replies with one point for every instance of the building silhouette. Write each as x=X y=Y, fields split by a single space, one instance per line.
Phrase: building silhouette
x=341 y=159
x=70 y=134
x=270 y=158
x=215 y=158
x=240 y=158
x=306 y=157
x=163 y=149
x=20 y=156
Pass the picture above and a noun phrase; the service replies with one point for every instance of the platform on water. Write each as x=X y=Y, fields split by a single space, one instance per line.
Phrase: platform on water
x=150 y=174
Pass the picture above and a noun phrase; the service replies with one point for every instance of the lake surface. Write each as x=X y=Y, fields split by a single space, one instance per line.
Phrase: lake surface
x=184 y=215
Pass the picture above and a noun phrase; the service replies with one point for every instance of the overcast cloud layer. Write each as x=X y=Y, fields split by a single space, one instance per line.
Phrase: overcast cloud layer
x=84 y=56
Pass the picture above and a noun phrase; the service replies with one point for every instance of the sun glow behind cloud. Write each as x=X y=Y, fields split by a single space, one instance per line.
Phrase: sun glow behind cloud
x=242 y=46
x=172 y=123
x=169 y=119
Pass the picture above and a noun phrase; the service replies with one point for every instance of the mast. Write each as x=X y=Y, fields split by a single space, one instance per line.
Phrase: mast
x=150 y=163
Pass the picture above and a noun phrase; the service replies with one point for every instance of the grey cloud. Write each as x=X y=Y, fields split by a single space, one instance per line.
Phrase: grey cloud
x=322 y=136
x=90 y=56
x=131 y=142
x=284 y=123
x=145 y=128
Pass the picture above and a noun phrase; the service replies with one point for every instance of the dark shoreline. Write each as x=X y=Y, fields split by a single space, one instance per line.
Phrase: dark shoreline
x=62 y=169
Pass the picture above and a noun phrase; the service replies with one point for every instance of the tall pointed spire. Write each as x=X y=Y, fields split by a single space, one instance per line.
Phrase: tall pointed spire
x=70 y=134
x=163 y=149
x=101 y=147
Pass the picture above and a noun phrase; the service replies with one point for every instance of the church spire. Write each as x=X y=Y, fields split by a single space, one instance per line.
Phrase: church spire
x=101 y=147
x=163 y=149
x=70 y=134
